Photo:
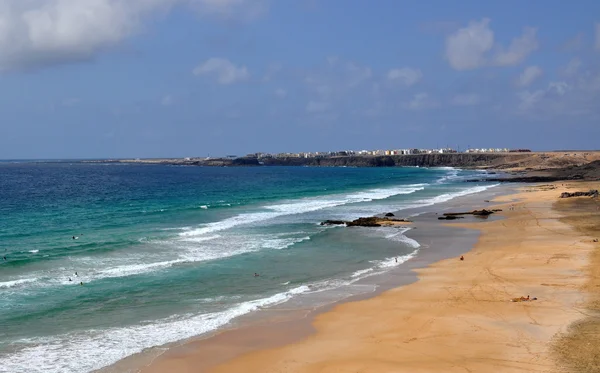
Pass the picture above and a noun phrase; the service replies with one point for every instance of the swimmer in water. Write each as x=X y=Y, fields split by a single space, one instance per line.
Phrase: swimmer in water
x=76 y=274
x=256 y=274
x=70 y=279
x=81 y=283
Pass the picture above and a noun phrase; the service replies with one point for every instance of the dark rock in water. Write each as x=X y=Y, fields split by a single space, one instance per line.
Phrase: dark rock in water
x=389 y=214
x=364 y=222
x=591 y=193
x=483 y=212
x=372 y=221
x=333 y=222
x=450 y=217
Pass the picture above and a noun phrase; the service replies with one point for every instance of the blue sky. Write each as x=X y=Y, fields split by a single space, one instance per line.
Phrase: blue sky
x=176 y=78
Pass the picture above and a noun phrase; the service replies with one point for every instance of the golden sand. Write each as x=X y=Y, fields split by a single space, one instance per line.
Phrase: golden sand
x=459 y=316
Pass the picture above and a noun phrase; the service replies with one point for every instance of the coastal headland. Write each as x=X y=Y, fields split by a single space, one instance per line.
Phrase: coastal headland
x=524 y=299
x=516 y=167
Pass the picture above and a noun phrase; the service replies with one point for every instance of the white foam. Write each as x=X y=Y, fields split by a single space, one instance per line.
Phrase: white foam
x=201 y=239
x=94 y=349
x=449 y=196
x=362 y=272
x=302 y=206
x=400 y=237
x=204 y=207
x=15 y=283
x=34 y=251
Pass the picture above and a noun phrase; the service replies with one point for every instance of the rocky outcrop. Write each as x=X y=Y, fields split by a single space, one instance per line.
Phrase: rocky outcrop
x=482 y=212
x=373 y=221
x=450 y=217
x=333 y=222
x=591 y=193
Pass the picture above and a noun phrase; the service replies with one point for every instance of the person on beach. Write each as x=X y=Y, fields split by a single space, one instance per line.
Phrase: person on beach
x=462 y=257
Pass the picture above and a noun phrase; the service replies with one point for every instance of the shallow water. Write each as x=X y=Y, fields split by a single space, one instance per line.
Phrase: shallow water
x=165 y=253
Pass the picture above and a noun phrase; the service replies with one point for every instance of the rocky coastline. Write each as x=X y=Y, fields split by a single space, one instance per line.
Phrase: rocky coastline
x=515 y=167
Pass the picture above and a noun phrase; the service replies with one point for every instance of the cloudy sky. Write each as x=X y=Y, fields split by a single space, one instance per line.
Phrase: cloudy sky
x=157 y=78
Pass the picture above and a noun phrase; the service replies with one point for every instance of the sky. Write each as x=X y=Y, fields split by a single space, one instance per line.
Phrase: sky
x=187 y=78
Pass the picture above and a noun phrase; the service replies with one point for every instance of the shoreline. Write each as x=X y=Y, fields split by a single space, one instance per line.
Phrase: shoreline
x=268 y=356
x=426 y=229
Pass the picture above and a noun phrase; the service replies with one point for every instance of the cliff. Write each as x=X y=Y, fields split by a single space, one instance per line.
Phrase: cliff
x=463 y=160
x=523 y=167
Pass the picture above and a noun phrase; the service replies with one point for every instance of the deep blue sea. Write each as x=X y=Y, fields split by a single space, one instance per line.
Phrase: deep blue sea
x=106 y=260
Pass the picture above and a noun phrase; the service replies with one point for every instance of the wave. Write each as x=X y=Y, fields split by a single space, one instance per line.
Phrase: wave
x=92 y=350
x=88 y=270
x=381 y=266
x=302 y=206
x=448 y=196
x=16 y=283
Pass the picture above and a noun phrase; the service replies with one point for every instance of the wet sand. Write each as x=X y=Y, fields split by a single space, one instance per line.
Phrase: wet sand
x=458 y=317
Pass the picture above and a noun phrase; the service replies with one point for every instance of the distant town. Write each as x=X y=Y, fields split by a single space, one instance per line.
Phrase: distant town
x=346 y=153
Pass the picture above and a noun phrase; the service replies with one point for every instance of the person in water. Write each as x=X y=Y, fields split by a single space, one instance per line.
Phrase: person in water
x=81 y=283
x=76 y=274
x=256 y=274
x=70 y=279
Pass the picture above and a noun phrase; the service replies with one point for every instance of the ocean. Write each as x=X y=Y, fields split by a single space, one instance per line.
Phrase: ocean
x=106 y=260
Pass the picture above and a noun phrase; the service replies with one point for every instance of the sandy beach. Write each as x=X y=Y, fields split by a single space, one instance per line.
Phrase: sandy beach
x=459 y=316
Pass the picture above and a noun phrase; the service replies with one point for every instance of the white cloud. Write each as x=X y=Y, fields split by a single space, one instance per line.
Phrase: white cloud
x=466 y=48
x=528 y=100
x=469 y=47
x=167 y=100
x=518 y=49
x=530 y=74
x=225 y=71
x=35 y=33
x=317 y=106
x=598 y=35
x=332 y=60
x=466 y=99
x=272 y=71
x=405 y=75
x=420 y=101
x=280 y=92
x=357 y=74
x=573 y=66
x=41 y=33
x=560 y=88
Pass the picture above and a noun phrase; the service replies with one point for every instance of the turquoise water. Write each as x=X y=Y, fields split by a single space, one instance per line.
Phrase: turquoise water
x=165 y=253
